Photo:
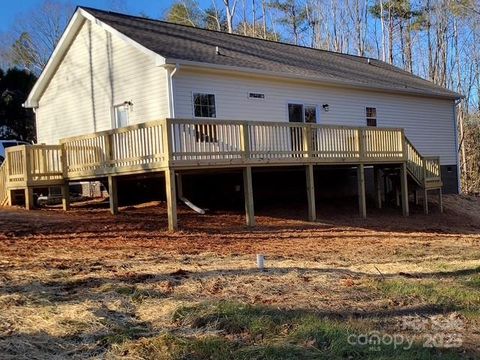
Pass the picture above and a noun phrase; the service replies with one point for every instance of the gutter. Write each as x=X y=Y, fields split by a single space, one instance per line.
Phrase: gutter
x=305 y=78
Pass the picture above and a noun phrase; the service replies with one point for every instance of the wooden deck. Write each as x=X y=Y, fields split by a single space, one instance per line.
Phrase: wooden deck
x=173 y=145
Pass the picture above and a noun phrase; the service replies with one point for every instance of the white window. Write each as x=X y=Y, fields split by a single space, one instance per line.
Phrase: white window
x=302 y=113
x=371 y=115
x=121 y=115
x=204 y=105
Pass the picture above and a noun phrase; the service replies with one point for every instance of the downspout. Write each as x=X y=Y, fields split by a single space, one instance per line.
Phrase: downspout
x=457 y=150
x=171 y=102
x=171 y=115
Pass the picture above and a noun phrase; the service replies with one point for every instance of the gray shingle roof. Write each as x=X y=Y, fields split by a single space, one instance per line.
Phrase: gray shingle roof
x=179 y=42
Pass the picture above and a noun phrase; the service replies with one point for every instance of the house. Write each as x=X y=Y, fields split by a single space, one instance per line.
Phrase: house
x=224 y=100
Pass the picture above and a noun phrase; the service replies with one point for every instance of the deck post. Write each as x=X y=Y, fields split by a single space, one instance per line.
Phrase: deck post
x=29 y=198
x=415 y=196
x=66 y=196
x=425 y=200
x=171 y=192
x=378 y=188
x=312 y=212
x=245 y=142
x=362 y=204
x=248 y=195
x=404 y=189
x=440 y=199
x=113 y=195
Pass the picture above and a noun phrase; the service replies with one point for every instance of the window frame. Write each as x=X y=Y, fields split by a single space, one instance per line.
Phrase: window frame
x=204 y=92
x=304 y=104
x=367 y=118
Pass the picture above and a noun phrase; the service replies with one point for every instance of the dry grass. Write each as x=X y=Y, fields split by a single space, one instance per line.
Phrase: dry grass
x=85 y=284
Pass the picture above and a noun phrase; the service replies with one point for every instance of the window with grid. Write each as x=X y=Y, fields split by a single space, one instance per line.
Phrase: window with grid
x=371 y=115
x=204 y=105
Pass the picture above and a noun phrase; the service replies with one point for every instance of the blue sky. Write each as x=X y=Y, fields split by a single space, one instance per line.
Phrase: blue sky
x=9 y=9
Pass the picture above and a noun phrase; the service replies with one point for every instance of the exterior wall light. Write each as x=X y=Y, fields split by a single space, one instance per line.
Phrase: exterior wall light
x=326 y=107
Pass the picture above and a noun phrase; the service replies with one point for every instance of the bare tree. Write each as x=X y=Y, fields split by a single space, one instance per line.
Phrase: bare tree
x=230 y=7
x=36 y=33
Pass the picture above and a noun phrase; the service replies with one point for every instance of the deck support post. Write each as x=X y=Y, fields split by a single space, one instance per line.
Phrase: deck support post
x=425 y=200
x=9 y=197
x=312 y=211
x=440 y=199
x=415 y=196
x=29 y=198
x=378 y=187
x=362 y=203
x=248 y=195
x=404 y=189
x=171 y=192
x=113 y=195
x=66 y=196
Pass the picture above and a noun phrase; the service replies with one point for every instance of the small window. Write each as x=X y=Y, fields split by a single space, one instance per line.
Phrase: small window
x=310 y=113
x=371 y=115
x=204 y=105
x=256 y=96
x=121 y=115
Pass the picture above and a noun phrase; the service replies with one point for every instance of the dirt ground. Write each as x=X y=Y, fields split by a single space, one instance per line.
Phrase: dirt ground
x=86 y=284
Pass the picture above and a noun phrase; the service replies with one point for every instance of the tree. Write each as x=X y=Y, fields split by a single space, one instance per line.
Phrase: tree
x=402 y=19
x=230 y=7
x=293 y=16
x=16 y=122
x=184 y=12
x=36 y=34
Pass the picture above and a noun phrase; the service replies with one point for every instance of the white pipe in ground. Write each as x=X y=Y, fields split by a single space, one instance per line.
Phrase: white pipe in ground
x=260 y=262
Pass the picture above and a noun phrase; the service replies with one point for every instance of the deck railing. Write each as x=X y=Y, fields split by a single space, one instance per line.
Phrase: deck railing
x=208 y=141
x=187 y=143
x=39 y=164
x=128 y=149
x=3 y=183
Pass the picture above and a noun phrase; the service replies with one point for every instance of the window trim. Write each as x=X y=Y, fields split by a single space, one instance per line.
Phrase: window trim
x=303 y=103
x=207 y=92
x=371 y=118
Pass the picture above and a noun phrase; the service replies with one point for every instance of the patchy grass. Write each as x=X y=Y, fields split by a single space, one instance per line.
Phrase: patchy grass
x=82 y=284
x=257 y=332
x=459 y=293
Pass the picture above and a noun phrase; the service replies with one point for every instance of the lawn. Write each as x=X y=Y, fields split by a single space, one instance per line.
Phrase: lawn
x=85 y=284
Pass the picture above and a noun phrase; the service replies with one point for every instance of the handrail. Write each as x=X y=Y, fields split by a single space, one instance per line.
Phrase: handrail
x=425 y=169
x=188 y=143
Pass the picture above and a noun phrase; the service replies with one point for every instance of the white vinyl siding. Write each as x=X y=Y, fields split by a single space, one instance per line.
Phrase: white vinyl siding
x=428 y=122
x=99 y=71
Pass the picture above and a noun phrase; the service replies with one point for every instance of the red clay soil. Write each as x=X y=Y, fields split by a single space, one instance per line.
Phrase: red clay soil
x=281 y=232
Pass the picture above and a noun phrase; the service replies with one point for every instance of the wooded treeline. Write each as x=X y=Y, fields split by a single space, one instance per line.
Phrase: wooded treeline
x=435 y=39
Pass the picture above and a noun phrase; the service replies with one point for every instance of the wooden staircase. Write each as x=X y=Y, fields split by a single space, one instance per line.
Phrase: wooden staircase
x=425 y=171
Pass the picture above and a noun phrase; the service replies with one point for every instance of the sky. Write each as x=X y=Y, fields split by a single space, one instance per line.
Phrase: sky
x=10 y=9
